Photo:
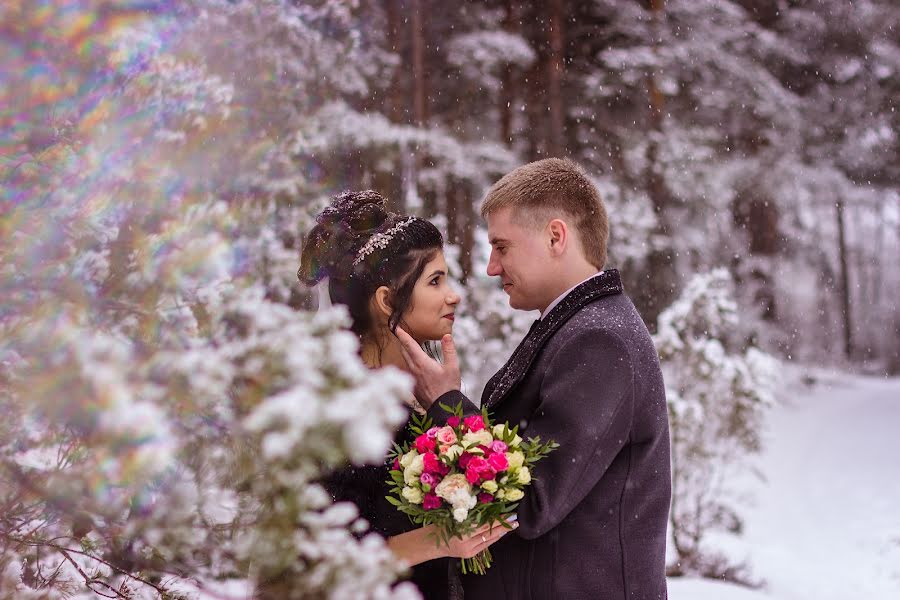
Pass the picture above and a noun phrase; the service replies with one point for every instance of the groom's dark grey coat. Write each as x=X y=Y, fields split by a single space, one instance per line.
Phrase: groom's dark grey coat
x=593 y=522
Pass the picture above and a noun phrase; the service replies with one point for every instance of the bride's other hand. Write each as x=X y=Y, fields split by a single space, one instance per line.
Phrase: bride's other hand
x=433 y=379
x=421 y=545
x=478 y=541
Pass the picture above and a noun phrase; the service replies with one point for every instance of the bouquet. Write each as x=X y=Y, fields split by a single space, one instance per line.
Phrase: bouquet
x=461 y=476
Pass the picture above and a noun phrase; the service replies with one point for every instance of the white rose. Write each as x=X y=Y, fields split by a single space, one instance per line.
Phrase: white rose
x=516 y=441
x=414 y=470
x=451 y=485
x=460 y=514
x=453 y=452
x=498 y=430
x=407 y=458
x=514 y=494
x=464 y=500
x=501 y=494
x=477 y=438
x=490 y=486
x=412 y=495
x=524 y=476
x=515 y=459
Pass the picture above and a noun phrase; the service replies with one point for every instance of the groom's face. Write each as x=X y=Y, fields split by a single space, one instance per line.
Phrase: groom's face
x=520 y=257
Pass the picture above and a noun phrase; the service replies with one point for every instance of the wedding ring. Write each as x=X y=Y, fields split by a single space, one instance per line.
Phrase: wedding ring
x=483 y=539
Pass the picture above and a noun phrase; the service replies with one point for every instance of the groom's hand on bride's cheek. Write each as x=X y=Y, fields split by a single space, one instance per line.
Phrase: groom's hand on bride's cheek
x=433 y=379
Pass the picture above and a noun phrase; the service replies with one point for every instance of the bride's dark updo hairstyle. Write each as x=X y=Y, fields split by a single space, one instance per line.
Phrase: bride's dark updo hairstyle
x=332 y=250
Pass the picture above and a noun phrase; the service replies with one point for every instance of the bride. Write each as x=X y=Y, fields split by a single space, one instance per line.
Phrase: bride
x=389 y=270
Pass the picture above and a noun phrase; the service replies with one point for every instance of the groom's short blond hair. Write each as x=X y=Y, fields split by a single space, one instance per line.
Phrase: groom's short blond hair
x=552 y=188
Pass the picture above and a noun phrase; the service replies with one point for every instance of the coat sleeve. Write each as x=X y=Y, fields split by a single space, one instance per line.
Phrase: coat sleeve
x=586 y=406
x=451 y=398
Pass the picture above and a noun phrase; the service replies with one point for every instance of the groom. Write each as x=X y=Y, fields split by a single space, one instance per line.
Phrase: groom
x=593 y=523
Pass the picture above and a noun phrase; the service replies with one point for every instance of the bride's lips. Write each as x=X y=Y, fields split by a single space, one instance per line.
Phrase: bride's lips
x=450 y=317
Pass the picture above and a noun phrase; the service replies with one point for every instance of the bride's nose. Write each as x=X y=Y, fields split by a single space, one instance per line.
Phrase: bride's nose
x=453 y=298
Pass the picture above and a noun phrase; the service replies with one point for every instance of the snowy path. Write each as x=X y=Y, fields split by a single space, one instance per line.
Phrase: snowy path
x=826 y=525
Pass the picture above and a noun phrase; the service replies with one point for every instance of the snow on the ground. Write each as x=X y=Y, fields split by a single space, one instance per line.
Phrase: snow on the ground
x=826 y=523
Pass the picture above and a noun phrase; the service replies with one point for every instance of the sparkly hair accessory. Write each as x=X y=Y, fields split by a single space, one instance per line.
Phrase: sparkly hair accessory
x=381 y=240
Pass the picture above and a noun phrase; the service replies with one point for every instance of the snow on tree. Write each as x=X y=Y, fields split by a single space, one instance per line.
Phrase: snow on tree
x=717 y=399
x=168 y=416
x=163 y=159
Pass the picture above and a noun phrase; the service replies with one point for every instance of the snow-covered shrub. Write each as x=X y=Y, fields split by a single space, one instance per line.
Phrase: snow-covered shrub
x=166 y=414
x=717 y=401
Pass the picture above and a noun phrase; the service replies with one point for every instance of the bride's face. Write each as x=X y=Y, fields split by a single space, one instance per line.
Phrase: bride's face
x=433 y=303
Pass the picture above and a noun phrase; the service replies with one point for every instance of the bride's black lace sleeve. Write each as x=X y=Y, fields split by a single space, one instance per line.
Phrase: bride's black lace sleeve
x=366 y=487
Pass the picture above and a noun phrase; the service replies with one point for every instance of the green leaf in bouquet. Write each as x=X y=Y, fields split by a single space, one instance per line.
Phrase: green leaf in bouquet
x=411 y=510
x=395 y=452
x=509 y=434
x=420 y=424
x=393 y=500
x=456 y=411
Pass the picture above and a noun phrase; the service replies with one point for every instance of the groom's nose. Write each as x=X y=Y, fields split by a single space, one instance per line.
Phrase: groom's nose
x=493 y=267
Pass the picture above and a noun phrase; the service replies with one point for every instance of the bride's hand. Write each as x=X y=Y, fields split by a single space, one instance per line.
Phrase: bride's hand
x=433 y=379
x=421 y=545
x=477 y=541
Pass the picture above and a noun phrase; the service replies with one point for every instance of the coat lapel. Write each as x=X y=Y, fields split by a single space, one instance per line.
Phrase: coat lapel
x=518 y=365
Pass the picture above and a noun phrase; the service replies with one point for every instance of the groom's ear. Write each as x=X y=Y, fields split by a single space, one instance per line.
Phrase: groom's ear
x=558 y=233
x=382 y=301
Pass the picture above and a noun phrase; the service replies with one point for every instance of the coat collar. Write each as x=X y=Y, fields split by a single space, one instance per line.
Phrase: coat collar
x=605 y=284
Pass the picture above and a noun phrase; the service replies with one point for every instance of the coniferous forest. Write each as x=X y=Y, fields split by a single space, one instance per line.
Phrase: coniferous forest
x=170 y=393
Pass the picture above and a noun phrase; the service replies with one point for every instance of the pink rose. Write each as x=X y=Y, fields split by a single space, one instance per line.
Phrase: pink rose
x=446 y=436
x=486 y=450
x=464 y=460
x=424 y=444
x=488 y=472
x=485 y=498
x=453 y=421
x=396 y=465
x=432 y=433
x=431 y=463
x=474 y=422
x=428 y=479
x=498 y=462
x=443 y=469
x=472 y=476
x=431 y=501
x=480 y=469
x=498 y=446
x=477 y=463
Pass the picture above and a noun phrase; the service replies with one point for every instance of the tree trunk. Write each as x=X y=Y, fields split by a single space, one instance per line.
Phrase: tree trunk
x=418 y=63
x=467 y=243
x=452 y=213
x=661 y=276
x=845 y=281
x=554 y=71
x=507 y=81
x=397 y=102
x=534 y=111
x=420 y=98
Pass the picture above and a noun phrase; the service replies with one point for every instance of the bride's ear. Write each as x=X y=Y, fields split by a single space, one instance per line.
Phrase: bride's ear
x=383 y=301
